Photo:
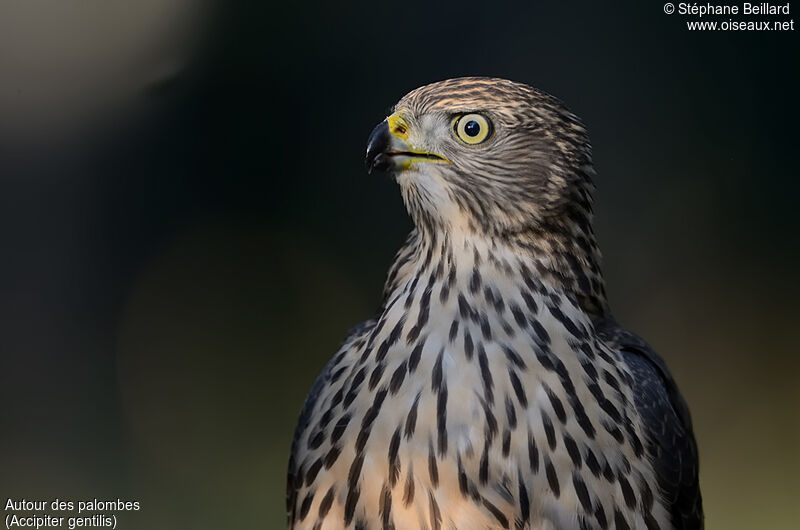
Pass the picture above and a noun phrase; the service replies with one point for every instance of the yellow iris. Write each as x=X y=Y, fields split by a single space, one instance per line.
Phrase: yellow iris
x=472 y=128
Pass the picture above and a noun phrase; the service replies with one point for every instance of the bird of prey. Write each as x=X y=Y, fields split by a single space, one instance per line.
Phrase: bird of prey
x=493 y=389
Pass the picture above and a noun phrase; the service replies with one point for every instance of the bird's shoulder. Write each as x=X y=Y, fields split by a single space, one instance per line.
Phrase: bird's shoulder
x=666 y=421
x=329 y=372
x=399 y=272
x=325 y=379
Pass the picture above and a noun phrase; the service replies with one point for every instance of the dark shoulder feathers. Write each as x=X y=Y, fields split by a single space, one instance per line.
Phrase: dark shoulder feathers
x=667 y=423
x=294 y=476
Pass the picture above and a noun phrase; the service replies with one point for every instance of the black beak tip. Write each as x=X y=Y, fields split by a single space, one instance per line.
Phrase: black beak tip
x=380 y=162
x=377 y=145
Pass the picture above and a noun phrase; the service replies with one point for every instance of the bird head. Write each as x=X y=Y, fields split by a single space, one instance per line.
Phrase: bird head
x=486 y=155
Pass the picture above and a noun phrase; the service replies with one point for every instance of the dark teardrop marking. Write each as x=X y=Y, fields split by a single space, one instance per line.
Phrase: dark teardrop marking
x=552 y=478
x=582 y=492
x=306 y=505
x=327 y=501
x=533 y=453
x=394 y=463
x=433 y=468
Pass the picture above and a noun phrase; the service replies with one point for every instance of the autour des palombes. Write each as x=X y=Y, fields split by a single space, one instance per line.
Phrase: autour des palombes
x=93 y=505
x=763 y=8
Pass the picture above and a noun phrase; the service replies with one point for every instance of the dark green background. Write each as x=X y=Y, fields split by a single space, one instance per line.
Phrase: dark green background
x=173 y=277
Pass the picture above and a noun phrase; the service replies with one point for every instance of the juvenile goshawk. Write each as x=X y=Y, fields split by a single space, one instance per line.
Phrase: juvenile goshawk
x=493 y=389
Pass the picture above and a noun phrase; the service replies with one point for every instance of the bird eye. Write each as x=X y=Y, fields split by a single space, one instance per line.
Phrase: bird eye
x=472 y=128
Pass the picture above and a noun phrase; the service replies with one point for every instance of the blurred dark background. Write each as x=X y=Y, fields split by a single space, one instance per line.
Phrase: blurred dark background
x=188 y=230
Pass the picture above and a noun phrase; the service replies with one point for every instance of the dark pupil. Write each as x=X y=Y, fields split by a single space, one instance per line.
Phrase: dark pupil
x=472 y=128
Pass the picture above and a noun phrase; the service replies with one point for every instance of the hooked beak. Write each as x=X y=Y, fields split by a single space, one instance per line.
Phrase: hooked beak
x=389 y=150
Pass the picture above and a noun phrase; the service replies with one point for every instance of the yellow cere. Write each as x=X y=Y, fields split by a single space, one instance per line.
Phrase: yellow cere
x=398 y=126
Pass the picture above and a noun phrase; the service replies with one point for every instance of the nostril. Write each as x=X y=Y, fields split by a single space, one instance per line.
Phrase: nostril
x=397 y=126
